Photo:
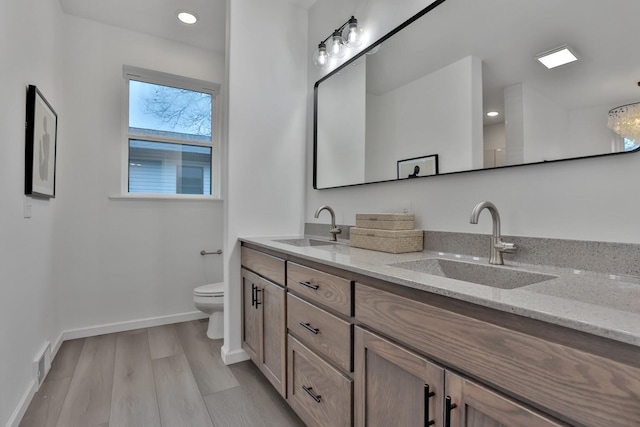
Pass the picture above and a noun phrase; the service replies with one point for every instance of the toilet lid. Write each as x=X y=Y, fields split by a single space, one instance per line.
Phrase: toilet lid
x=210 y=289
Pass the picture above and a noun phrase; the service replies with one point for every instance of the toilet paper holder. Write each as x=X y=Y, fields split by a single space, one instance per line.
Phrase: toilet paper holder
x=218 y=252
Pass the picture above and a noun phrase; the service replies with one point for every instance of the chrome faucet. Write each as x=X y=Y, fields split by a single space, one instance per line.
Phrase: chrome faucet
x=334 y=230
x=497 y=245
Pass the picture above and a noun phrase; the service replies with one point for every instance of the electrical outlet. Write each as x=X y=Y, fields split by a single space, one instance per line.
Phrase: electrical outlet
x=42 y=363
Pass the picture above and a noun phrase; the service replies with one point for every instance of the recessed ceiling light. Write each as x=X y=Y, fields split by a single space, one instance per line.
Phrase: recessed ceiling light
x=187 y=17
x=556 y=57
x=493 y=114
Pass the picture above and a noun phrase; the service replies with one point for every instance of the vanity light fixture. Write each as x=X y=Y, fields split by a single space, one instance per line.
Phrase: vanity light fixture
x=556 y=57
x=335 y=45
x=625 y=121
x=188 y=18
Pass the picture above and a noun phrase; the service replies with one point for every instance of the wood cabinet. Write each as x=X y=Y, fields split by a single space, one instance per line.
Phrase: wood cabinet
x=320 y=356
x=264 y=327
x=468 y=404
x=322 y=288
x=319 y=393
x=325 y=333
x=561 y=378
x=395 y=386
x=415 y=358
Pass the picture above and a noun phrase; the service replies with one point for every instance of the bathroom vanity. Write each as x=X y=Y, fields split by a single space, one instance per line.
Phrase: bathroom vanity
x=355 y=337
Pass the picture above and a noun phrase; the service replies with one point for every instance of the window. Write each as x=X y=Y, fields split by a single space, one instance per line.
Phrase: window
x=171 y=134
x=631 y=144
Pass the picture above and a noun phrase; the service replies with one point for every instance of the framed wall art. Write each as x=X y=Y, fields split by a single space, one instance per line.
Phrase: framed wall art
x=418 y=166
x=40 y=146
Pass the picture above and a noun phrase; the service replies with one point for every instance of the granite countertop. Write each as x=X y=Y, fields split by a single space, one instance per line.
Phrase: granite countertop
x=600 y=304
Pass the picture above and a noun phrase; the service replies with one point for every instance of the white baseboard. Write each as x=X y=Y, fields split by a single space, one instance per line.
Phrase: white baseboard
x=91 y=331
x=229 y=357
x=149 y=322
x=20 y=410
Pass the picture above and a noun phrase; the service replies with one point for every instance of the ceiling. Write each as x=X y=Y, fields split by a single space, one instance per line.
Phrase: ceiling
x=158 y=18
x=506 y=35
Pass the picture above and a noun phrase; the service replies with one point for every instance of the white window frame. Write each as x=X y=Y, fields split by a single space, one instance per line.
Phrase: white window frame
x=171 y=80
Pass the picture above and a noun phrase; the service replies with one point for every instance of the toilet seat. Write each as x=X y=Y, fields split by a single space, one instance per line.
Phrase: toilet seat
x=210 y=290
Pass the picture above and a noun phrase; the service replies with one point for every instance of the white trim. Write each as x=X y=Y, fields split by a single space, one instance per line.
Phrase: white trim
x=159 y=78
x=149 y=322
x=56 y=346
x=230 y=357
x=166 y=79
x=21 y=409
x=167 y=197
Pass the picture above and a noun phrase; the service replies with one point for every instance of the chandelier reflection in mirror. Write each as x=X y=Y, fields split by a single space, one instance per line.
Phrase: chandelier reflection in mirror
x=625 y=121
x=335 y=45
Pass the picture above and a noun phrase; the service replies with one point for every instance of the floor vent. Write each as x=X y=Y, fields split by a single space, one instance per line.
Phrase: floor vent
x=42 y=363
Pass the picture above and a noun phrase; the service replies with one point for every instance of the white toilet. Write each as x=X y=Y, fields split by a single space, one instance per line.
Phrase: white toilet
x=210 y=300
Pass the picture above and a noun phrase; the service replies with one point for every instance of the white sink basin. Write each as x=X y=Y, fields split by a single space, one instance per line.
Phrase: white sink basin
x=489 y=275
x=309 y=242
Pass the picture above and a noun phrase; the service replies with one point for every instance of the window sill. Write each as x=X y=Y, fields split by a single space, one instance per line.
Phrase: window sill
x=165 y=197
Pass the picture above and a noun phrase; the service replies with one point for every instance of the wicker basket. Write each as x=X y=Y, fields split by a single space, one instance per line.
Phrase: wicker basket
x=388 y=221
x=392 y=241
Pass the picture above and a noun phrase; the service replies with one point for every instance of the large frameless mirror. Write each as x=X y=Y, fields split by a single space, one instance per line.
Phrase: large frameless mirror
x=463 y=86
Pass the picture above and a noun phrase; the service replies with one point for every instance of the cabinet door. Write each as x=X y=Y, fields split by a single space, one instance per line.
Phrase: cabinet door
x=271 y=300
x=251 y=316
x=475 y=406
x=394 y=386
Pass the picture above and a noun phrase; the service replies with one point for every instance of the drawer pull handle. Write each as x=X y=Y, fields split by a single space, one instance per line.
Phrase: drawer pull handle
x=427 y=395
x=257 y=302
x=253 y=295
x=309 y=285
x=448 y=406
x=309 y=328
x=310 y=392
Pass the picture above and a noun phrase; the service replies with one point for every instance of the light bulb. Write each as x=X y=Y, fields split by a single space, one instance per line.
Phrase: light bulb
x=337 y=45
x=351 y=34
x=321 y=56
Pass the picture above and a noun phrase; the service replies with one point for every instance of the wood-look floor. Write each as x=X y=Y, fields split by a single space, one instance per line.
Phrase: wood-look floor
x=169 y=376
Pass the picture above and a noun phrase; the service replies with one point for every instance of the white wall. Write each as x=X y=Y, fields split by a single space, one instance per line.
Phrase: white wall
x=494 y=145
x=266 y=135
x=380 y=151
x=589 y=132
x=27 y=314
x=546 y=127
x=341 y=144
x=587 y=199
x=431 y=115
x=123 y=260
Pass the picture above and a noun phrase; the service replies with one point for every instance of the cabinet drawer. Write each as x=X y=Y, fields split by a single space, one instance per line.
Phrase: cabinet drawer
x=319 y=393
x=265 y=265
x=323 y=332
x=323 y=288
